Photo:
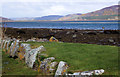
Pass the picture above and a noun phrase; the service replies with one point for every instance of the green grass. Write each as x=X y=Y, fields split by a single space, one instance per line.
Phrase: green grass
x=15 y=66
x=83 y=57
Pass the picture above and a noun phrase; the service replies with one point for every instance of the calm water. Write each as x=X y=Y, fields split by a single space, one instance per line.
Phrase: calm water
x=96 y=25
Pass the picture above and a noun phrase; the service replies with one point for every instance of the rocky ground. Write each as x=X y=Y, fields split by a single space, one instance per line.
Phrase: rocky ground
x=106 y=37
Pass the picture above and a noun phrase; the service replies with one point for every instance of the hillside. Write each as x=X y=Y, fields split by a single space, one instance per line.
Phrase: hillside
x=3 y=19
x=50 y=17
x=108 y=13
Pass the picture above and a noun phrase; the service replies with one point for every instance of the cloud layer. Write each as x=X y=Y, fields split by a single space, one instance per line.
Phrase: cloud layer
x=34 y=8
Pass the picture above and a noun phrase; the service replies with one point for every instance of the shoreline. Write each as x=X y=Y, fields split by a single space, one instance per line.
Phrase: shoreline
x=100 y=37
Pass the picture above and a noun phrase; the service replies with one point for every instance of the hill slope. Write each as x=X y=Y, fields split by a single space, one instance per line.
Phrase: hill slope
x=50 y=17
x=108 y=13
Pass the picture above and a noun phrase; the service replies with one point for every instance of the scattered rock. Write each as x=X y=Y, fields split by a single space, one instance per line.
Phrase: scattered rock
x=111 y=40
x=74 y=35
x=62 y=69
x=68 y=32
x=30 y=56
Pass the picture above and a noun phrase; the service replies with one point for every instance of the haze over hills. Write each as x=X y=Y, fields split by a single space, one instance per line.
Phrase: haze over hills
x=108 y=13
x=4 y=19
x=49 y=17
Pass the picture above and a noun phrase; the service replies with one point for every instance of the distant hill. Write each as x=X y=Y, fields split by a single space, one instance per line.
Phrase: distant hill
x=50 y=17
x=23 y=18
x=108 y=13
x=3 y=19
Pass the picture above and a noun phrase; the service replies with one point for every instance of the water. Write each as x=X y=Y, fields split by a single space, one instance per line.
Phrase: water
x=91 y=25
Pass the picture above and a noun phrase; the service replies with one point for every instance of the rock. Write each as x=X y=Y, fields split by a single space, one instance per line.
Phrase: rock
x=45 y=64
x=2 y=43
x=111 y=40
x=87 y=73
x=98 y=72
x=68 y=32
x=14 y=47
x=8 y=43
x=74 y=35
x=30 y=56
x=22 y=50
x=52 y=66
x=62 y=68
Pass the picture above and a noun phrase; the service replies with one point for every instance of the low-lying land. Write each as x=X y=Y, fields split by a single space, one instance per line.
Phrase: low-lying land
x=101 y=37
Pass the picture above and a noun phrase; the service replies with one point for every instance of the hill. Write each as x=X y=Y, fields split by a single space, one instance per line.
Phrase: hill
x=108 y=13
x=3 y=19
x=50 y=17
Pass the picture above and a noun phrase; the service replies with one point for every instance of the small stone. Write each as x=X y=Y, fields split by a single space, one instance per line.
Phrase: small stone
x=111 y=40
x=74 y=35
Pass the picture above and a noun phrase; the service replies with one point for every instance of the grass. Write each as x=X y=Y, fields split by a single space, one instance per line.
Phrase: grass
x=15 y=66
x=83 y=57
x=80 y=57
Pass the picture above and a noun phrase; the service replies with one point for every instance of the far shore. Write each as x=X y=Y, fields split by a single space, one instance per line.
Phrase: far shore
x=50 y=20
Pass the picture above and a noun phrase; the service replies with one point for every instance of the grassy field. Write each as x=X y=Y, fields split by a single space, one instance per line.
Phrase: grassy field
x=80 y=57
x=15 y=66
x=84 y=57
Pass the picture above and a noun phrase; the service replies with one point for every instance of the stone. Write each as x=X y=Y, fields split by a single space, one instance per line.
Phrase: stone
x=8 y=43
x=111 y=40
x=45 y=64
x=22 y=50
x=14 y=48
x=52 y=66
x=62 y=69
x=68 y=32
x=2 y=43
x=98 y=72
x=87 y=73
x=30 y=56
x=74 y=35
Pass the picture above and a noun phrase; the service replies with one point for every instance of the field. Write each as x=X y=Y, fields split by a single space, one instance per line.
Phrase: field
x=80 y=57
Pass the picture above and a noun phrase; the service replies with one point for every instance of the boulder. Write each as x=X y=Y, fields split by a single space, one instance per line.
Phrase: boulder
x=24 y=48
x=14 y=48
x=8 y=43
x=52 y=66
x=45 y=64
x=30 y=56
x=2 y=43
x=62 y=69
x=74 y=35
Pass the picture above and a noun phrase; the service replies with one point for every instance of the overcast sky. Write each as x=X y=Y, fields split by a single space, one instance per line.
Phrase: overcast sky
x=38 y=8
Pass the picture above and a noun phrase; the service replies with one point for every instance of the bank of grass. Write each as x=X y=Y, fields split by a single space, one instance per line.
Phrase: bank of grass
x=83 y=57
x=15 y=67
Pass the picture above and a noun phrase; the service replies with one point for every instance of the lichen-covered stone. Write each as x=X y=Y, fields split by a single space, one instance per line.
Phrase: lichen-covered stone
x=30 y=56
x=52 y=66
x=45 y=64
x=22 y=50
x=14 y=47
x=62 y=69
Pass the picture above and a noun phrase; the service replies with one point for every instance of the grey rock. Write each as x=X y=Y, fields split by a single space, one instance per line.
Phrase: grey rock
x=45 y=64
x=14 y=47
x=62 y=68
x=68 y=32
x=30 y=56
x=74 y=35
x=111 y=40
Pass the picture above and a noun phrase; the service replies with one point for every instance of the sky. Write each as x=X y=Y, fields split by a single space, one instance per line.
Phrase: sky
x=38 y=8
